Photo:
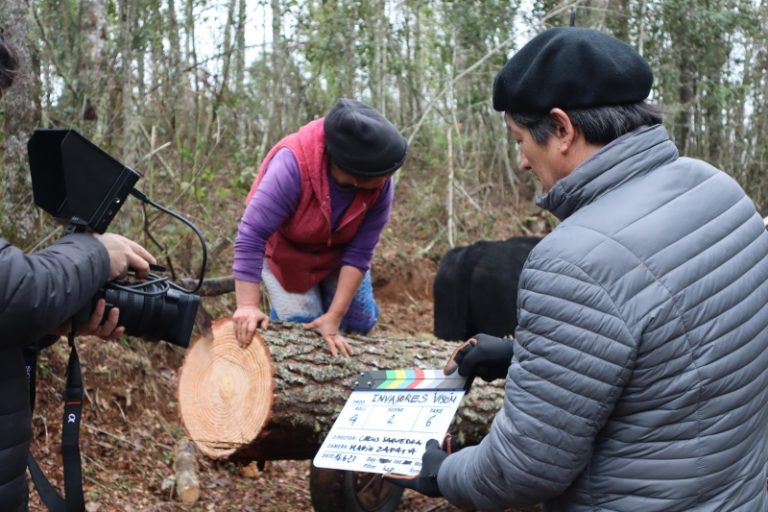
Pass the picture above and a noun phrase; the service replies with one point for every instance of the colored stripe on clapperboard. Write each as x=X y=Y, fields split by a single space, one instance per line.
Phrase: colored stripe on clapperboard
x=409 y=378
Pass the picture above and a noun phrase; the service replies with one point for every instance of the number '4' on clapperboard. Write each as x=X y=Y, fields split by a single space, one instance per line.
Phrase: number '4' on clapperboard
x=388 y=419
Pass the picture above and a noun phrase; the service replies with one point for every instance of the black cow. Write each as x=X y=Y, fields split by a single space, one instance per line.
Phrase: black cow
x=475 y=288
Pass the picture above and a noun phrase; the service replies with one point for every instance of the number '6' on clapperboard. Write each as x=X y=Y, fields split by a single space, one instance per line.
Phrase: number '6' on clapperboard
x=388 y=419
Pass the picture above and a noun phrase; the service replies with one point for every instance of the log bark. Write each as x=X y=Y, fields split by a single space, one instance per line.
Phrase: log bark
x=278 y=398
x=211 y=287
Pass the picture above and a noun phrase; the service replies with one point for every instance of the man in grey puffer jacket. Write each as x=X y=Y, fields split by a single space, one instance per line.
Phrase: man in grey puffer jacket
x=638 y=378
x=38 y=293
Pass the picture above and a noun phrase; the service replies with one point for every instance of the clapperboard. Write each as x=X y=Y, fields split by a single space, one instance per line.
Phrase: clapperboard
x=388 y=419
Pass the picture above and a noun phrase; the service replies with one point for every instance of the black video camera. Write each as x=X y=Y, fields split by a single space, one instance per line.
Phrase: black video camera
x=75 y=181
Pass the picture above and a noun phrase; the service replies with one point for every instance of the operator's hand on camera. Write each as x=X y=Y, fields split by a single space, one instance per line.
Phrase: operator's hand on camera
x=105 y=328
x=125 y=254
x=247 y=319
x=483 y=356
x=328 y=326
x=426 y=481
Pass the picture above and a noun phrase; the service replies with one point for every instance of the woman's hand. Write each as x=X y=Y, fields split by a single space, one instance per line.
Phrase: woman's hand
x=247 y=319
x=328 y=326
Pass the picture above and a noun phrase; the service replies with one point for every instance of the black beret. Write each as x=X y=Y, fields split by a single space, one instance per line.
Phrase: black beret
x=361 y=141
x=569 y=67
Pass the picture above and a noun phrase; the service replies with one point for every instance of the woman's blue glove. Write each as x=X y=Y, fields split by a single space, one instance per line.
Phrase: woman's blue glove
x=426 y=481
x=483 y=356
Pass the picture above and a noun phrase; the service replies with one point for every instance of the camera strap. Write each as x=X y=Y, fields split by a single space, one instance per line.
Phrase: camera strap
x=73 y=499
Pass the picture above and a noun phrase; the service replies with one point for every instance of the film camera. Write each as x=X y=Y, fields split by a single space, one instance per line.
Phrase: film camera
x=75 y=181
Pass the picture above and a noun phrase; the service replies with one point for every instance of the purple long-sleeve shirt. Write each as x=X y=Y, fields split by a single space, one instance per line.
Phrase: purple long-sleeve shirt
x=276 y=199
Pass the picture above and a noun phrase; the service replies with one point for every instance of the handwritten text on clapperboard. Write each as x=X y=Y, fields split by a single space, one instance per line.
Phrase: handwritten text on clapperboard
x=386 y=431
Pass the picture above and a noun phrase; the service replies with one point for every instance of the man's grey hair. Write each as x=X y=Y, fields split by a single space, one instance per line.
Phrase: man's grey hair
x=600 y=125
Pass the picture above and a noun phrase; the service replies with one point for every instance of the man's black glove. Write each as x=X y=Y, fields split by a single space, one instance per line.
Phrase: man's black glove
x=426 y=481
x=481 y=356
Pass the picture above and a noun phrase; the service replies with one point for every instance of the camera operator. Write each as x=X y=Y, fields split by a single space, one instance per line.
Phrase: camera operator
x=39 y=292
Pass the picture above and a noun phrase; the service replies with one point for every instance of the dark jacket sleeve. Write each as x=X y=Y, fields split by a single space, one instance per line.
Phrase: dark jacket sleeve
x=40 y=291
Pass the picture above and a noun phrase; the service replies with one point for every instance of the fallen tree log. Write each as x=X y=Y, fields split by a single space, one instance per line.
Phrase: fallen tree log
x=211 y=286
x=277 y=399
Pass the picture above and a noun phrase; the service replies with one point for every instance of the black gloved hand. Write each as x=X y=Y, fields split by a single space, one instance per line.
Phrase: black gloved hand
x=426 y=481
x=483 y=356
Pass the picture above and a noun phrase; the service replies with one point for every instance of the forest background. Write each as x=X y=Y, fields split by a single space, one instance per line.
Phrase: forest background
x=192 y=93
x=172 y=89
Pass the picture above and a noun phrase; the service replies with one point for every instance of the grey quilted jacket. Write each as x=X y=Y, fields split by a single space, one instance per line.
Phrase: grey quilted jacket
x=38 y=292
x=640 y=375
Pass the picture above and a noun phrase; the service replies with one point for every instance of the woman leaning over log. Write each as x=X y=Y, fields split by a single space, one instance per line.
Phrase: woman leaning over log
x=315 y=213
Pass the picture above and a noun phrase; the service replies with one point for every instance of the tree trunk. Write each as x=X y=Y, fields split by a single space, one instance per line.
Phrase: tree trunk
x=278 y=398
x=127 y=10
x=617 y=18
x=239 y=80
x=16 y=208
x=93 y=34
x=278 y=56
x=226 y=65
x=211 y=287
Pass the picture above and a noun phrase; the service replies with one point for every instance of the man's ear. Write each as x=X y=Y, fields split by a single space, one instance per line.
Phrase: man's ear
x=565 y=132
